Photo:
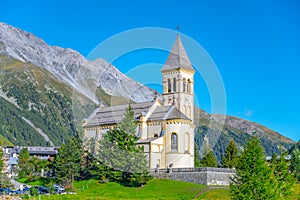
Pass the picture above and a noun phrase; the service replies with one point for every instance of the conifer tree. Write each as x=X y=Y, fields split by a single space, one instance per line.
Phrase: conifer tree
x=295 y=164
x=68 y=160
x=91 y=167
x=252 y=179
x=197 y=161
x=23 y=163
x=282 y=180
x=118 y=150
x=209 y=159
x=128 y=124
x=1 y=160
x=229 y=160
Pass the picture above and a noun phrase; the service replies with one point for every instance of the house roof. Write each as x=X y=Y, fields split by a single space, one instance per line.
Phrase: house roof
x=178 y=58
x=41 y=152
x=12 y=161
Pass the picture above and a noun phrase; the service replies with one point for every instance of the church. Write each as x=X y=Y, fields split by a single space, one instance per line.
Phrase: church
x=165 y=128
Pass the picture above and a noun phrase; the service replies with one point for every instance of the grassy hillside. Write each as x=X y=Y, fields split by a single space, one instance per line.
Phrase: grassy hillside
x=36 y=96
x=155 y=189
x=33 y=93
x=4 y=141
x=14 y=129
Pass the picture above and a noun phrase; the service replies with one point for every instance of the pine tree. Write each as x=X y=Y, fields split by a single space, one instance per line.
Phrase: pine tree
x=23 y=163
x=67 y=162
x=209 y=159
x=1 y=160
x=252 y=179
x=91 y=167
x=295 y=164
x=119 y=152
x=128 y=124
x=229 y=160
x=282 y=180
x=197 y=161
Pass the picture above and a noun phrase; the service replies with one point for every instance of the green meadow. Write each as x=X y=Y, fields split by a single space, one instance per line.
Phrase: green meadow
x=155 y=189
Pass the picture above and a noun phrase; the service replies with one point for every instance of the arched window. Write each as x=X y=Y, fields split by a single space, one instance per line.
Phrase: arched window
x=169 y=85
x=158 y=164
x=184 y=110
x=155 y=135
x=189 y=86
x=184 y=85
x=186 y=143
x=189 y=114
x=174 y=84
x=174 y=142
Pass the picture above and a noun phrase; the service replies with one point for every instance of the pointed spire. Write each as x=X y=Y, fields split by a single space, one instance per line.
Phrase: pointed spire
x=178 y=57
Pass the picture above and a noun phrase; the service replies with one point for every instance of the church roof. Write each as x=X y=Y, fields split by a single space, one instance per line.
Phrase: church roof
x=178 y=58
x=115 y=114
x=167 y=113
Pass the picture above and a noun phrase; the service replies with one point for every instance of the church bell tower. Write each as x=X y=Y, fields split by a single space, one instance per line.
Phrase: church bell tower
x=178 y=80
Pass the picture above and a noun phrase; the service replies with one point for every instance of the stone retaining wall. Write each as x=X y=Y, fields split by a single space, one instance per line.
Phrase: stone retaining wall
x=205 y=176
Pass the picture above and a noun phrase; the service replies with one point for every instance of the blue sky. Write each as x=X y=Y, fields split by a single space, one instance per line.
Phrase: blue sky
x=254 y=44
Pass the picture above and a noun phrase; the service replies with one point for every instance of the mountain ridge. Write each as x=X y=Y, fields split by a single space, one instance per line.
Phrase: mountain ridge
x=69 y=66
x=37 y=81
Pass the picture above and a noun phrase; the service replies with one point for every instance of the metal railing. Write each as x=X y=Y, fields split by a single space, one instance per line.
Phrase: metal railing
x=197 y=169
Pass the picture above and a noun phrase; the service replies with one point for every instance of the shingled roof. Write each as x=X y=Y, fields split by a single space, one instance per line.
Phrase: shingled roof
x=167 y=112
x=115 y=114
x=178 y=58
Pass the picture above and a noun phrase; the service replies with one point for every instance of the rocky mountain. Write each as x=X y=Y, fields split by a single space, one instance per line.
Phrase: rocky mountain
x=252 y=128
x=36 y=109
x=45 y=91
x=219 y=132
x=70 y=67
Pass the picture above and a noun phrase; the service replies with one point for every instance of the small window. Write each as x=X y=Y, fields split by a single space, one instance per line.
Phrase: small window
x=174 y=142
x=174 y=84
x=169 y=86
x=189 y=89
x=155 y=135
x=186 y=143
x=184 y=85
